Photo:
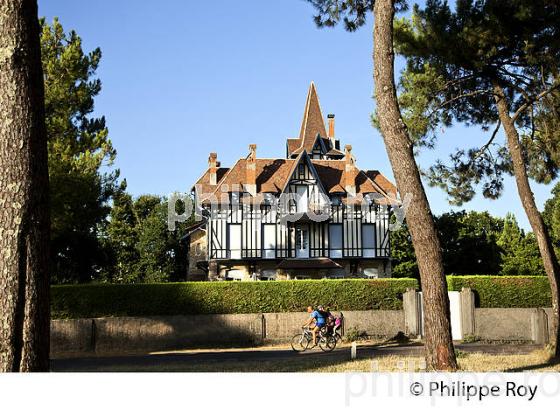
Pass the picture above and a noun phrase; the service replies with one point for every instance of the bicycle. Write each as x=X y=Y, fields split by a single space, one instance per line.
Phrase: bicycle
x=303 y=341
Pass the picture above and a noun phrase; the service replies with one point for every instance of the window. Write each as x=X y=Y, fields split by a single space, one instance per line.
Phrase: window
x=292 y=204
x=268 y=275
x=302 y=242
x=371 y=273
x=301 y=171
x=269 y=241
x=235 y=198
x=301 y=193
x=235 y=275
x=268 y=199
x=335 y=240
x=368 y=240
x=235 y=241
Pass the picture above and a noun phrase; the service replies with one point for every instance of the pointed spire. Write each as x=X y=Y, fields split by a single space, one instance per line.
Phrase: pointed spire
x=313 y=122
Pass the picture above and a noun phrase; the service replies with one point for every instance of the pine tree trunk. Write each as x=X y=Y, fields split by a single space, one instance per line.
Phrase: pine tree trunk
x=24 y=216
x=440 y=352
x=550 y=261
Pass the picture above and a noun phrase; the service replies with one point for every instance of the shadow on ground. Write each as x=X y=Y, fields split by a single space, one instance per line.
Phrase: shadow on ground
x=261 y=360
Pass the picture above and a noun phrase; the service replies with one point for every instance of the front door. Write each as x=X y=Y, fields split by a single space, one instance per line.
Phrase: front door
x=302 y=241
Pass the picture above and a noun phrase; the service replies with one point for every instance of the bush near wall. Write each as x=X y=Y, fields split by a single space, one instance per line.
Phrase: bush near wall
x=505 y=291
x=84 y=301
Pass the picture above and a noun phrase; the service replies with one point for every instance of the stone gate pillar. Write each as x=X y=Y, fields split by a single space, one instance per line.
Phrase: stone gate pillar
x=467 y=312
x=539 y=327
x=412 y=313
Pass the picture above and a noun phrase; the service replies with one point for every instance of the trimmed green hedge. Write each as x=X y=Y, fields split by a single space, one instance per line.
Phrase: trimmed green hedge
x=505 y=291
x=84 y=301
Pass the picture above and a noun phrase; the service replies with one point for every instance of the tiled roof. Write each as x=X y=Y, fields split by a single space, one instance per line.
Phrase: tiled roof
x=379 y=179
x=335 y=152
x=274 y=173
x=331 y=173
x=203 y=183
x=293 y=144
x=312 y=124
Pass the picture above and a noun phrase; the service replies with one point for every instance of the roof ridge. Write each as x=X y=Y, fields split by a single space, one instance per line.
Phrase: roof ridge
x=383 y=192
x=311 y=111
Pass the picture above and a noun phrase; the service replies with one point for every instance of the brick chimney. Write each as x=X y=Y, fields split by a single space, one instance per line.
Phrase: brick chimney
x=350 y=171
x=330 y=117
x=251 y=176
x=213 y=165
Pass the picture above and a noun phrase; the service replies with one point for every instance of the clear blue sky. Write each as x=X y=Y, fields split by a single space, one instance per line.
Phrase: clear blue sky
x=184 y=78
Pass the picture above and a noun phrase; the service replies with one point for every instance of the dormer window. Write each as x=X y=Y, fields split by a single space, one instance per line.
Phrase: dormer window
x=268 y=199
x=234 y=198
x=301 y=171
x=336 y=200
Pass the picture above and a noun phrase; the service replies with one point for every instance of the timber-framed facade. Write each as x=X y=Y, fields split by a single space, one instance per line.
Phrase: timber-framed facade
x=313 y=214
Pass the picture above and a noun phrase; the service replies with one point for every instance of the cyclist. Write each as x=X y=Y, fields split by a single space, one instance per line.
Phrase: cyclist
x=317 y=319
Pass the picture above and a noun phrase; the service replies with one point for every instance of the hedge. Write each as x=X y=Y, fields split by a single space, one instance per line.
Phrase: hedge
x=100 y=300
x=505 y=291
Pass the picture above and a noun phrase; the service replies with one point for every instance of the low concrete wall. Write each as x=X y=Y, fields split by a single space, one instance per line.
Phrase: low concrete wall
x=503 y=324
x=384 y=323
x=133 y=334
x=130 y=334
x=282 y=326
x=72 y=336
x=511 y=324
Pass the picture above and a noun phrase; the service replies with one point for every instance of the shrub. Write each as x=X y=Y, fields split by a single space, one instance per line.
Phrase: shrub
x=83 y=301
x=505 y=291
x=354 y=334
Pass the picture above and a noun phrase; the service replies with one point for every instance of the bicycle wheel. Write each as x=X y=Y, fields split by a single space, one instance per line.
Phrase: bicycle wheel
x=327 y=343
x=299 y=343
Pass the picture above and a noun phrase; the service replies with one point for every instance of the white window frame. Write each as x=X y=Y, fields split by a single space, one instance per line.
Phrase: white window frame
x=302 y=252
x=367 y=250
x=302 y=199
x=269 y=241
x=234 y=241
x=335 y=252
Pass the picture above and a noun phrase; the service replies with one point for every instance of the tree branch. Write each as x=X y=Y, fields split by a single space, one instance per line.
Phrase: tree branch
x=458 y=97
x=485 y=146
x=533 y=100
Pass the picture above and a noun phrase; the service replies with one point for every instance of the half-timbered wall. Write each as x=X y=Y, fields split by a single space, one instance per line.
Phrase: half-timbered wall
x=247 y=231
x=351 y=232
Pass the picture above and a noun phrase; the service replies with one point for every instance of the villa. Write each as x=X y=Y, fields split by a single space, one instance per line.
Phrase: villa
x=313 y=214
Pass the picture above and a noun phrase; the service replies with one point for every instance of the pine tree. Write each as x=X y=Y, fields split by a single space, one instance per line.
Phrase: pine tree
x=439 y=348
x=551 y=215
x=504 y=75
x=78 y=147
x=519 y=252
x=24 y=216
x=120 y=238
